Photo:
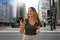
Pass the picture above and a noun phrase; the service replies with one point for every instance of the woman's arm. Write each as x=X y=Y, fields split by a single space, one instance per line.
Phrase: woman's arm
x=22 y=26
x=38 y=30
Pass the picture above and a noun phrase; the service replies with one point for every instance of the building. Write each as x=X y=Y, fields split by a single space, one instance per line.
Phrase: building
x=21 y=11
x=6 y=12
x=58 y=11
x=43 y=6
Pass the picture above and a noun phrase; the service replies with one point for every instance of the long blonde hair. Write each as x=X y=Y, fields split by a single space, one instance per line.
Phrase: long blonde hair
x=35 y=13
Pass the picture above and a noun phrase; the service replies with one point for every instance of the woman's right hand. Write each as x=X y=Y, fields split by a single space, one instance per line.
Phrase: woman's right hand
x=22 y=26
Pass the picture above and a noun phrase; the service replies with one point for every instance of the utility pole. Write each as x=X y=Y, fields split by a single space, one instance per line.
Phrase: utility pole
x=54 y=12
x=51 y=14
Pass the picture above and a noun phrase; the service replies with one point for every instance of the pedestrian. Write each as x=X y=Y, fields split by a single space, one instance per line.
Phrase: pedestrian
x=31 y=26
x=44 y=24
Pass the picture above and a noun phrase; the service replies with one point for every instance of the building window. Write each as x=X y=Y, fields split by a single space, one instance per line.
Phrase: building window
x=43 y=16
x=1 y=14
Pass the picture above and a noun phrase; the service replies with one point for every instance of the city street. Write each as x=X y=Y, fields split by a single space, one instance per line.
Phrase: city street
x=12 y=11
x=13 y=34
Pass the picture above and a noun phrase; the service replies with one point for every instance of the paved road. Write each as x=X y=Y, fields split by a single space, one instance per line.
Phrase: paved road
x=13 y=34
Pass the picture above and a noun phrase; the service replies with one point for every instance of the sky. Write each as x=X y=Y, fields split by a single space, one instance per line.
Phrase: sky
x=28 y=3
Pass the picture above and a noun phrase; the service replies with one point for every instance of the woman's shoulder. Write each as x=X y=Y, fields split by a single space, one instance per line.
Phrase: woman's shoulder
x=39 y=22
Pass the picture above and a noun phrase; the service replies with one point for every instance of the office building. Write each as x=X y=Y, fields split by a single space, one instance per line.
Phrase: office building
x=6 y=12
x=21 y=11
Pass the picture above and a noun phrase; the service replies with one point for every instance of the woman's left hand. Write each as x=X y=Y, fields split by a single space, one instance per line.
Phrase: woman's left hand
x=37 y=31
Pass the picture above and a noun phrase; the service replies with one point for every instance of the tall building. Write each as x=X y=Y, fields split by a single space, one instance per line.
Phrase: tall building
x=21 y=11
x=43 y=6
x=6 y=12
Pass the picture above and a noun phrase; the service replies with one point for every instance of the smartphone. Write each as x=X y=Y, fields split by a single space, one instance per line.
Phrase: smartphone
x=21 y=19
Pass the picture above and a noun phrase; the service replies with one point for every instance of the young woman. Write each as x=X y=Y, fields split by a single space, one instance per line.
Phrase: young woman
x=31 y=25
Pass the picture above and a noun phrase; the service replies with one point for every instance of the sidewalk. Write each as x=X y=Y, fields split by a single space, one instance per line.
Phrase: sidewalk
x=48 y=28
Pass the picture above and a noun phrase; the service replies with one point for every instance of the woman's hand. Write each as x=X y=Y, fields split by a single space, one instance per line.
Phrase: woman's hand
x=22 y=26
x=22 y=22
x=38 y=30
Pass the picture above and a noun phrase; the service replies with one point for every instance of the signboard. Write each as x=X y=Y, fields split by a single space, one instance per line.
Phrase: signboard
x=45 y=4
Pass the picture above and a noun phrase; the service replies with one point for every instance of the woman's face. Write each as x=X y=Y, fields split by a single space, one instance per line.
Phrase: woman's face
x=30 y=12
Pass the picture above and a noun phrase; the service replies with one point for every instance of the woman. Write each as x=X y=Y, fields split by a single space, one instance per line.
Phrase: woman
x=31 y=25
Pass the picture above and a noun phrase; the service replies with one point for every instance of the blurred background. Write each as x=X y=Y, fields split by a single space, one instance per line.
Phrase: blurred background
x=11 y=11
